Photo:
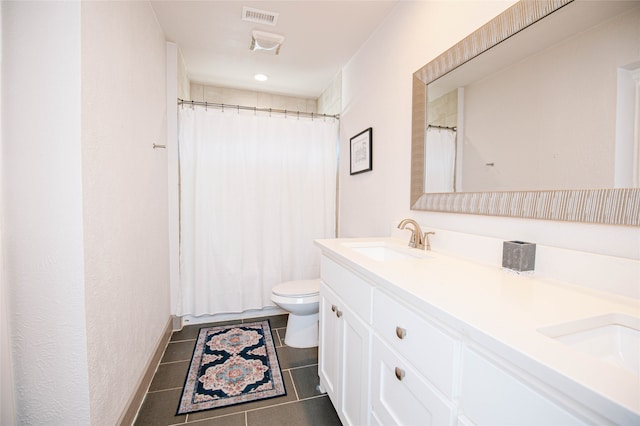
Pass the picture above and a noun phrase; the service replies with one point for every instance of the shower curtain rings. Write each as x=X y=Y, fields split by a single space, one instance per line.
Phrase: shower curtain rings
x=286 y=112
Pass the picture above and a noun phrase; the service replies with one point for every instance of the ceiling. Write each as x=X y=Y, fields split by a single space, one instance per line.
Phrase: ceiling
x=320 y=38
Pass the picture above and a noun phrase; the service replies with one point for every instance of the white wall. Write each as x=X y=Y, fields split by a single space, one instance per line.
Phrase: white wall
x=84 y=206
x=377 y=93
x=250 y=98
x=183 y=82
x=42 y=211
x=124 y=198
x=563 y=150
x=7 y=400
x=330 y=101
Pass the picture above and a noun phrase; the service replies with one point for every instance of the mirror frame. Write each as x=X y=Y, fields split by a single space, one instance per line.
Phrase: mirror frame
x=604 y=206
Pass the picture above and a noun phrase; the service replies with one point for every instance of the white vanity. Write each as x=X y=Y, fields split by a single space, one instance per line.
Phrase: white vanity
x=416 y=338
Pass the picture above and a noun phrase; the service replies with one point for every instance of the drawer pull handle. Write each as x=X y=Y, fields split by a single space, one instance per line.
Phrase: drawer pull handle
x=338 y=313
x=399 y=373
x=401 y=332
x=333 y=308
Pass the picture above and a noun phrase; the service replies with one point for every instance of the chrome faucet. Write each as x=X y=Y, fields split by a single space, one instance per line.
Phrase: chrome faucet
x=418 y=239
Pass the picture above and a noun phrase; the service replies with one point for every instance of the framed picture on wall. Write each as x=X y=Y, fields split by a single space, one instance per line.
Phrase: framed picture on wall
x=361 y=146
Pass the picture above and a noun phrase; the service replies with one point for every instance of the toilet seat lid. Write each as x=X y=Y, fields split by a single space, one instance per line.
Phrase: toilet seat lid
x=297 y=288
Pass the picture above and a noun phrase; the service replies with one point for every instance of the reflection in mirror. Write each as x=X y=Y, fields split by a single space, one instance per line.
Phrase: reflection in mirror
x=441 y=151
x=553 y=119
x=551 y=112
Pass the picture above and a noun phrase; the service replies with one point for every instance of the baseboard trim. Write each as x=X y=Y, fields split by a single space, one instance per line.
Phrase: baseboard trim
x=133 y=406
x=252 y=313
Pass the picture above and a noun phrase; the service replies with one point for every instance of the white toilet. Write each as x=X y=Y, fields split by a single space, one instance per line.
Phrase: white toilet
x=302 y=300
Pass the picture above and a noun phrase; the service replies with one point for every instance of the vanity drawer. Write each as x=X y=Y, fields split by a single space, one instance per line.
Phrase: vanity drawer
x=401 y=396
x=353 y=290
x=431 y=351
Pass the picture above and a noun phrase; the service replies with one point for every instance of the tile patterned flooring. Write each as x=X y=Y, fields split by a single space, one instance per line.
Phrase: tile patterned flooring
x=303 y=405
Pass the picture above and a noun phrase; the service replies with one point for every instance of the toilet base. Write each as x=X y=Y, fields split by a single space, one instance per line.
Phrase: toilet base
x=302 y=331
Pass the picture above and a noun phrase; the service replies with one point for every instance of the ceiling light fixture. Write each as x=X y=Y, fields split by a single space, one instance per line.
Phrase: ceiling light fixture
x=266 y=42
x=261 y=77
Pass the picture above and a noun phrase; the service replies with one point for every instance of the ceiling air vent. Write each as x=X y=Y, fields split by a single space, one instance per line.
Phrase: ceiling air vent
x=259 y=16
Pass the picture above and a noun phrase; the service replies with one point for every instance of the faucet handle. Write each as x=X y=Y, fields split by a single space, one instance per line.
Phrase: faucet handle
x=413 y=240
x=427 y=245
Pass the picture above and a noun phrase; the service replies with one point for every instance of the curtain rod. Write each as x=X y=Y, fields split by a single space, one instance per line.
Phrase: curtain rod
x=256 y=109
x=443 y=127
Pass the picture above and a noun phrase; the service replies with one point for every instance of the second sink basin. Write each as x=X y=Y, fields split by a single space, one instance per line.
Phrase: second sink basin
x=613 y=338
x=382 y=251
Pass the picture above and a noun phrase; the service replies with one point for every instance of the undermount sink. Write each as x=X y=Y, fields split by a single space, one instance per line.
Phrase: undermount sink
x=612 y=338
x=382 y=251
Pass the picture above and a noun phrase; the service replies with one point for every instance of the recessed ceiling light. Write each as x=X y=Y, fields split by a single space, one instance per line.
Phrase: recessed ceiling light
x=261 y=77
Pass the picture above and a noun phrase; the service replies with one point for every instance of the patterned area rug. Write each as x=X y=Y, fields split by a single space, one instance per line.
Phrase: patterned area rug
x=232 y=365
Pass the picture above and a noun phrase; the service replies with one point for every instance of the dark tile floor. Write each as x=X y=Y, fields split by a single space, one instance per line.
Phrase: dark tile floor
x=303 y=404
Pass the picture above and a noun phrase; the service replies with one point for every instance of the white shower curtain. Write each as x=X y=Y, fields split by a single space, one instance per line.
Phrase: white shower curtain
x=440 y=160
x=255 y=192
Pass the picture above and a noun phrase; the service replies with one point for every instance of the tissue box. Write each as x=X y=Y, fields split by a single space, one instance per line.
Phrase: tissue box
x=518 y=255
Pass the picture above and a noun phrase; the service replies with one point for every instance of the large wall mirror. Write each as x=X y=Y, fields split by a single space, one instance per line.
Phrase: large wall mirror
x=534 y=115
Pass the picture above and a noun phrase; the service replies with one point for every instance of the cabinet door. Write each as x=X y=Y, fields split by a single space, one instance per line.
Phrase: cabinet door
x=492 y=396
x=356 y=353
x=401 y=396
x=343 y=359
x=330 y=341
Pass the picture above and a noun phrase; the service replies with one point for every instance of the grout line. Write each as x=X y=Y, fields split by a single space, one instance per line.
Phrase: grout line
x=287 y=403
x=280 y=339
x=314 y=397
x=174 y=362
x=195 y=422
x=300 y=366
x=163 y=390
x=294 y=386
x=246 y=413
x=183 y=340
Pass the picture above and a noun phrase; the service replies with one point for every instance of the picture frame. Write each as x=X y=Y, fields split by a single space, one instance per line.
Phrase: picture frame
x=361 y=152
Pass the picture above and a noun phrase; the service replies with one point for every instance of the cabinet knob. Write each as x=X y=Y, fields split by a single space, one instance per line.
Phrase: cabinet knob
x=401 y=332
x=399 y=373
x=333 y=308
x=338 y=313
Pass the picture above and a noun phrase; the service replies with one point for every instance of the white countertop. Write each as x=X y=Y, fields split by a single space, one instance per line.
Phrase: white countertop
x=502 y=311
